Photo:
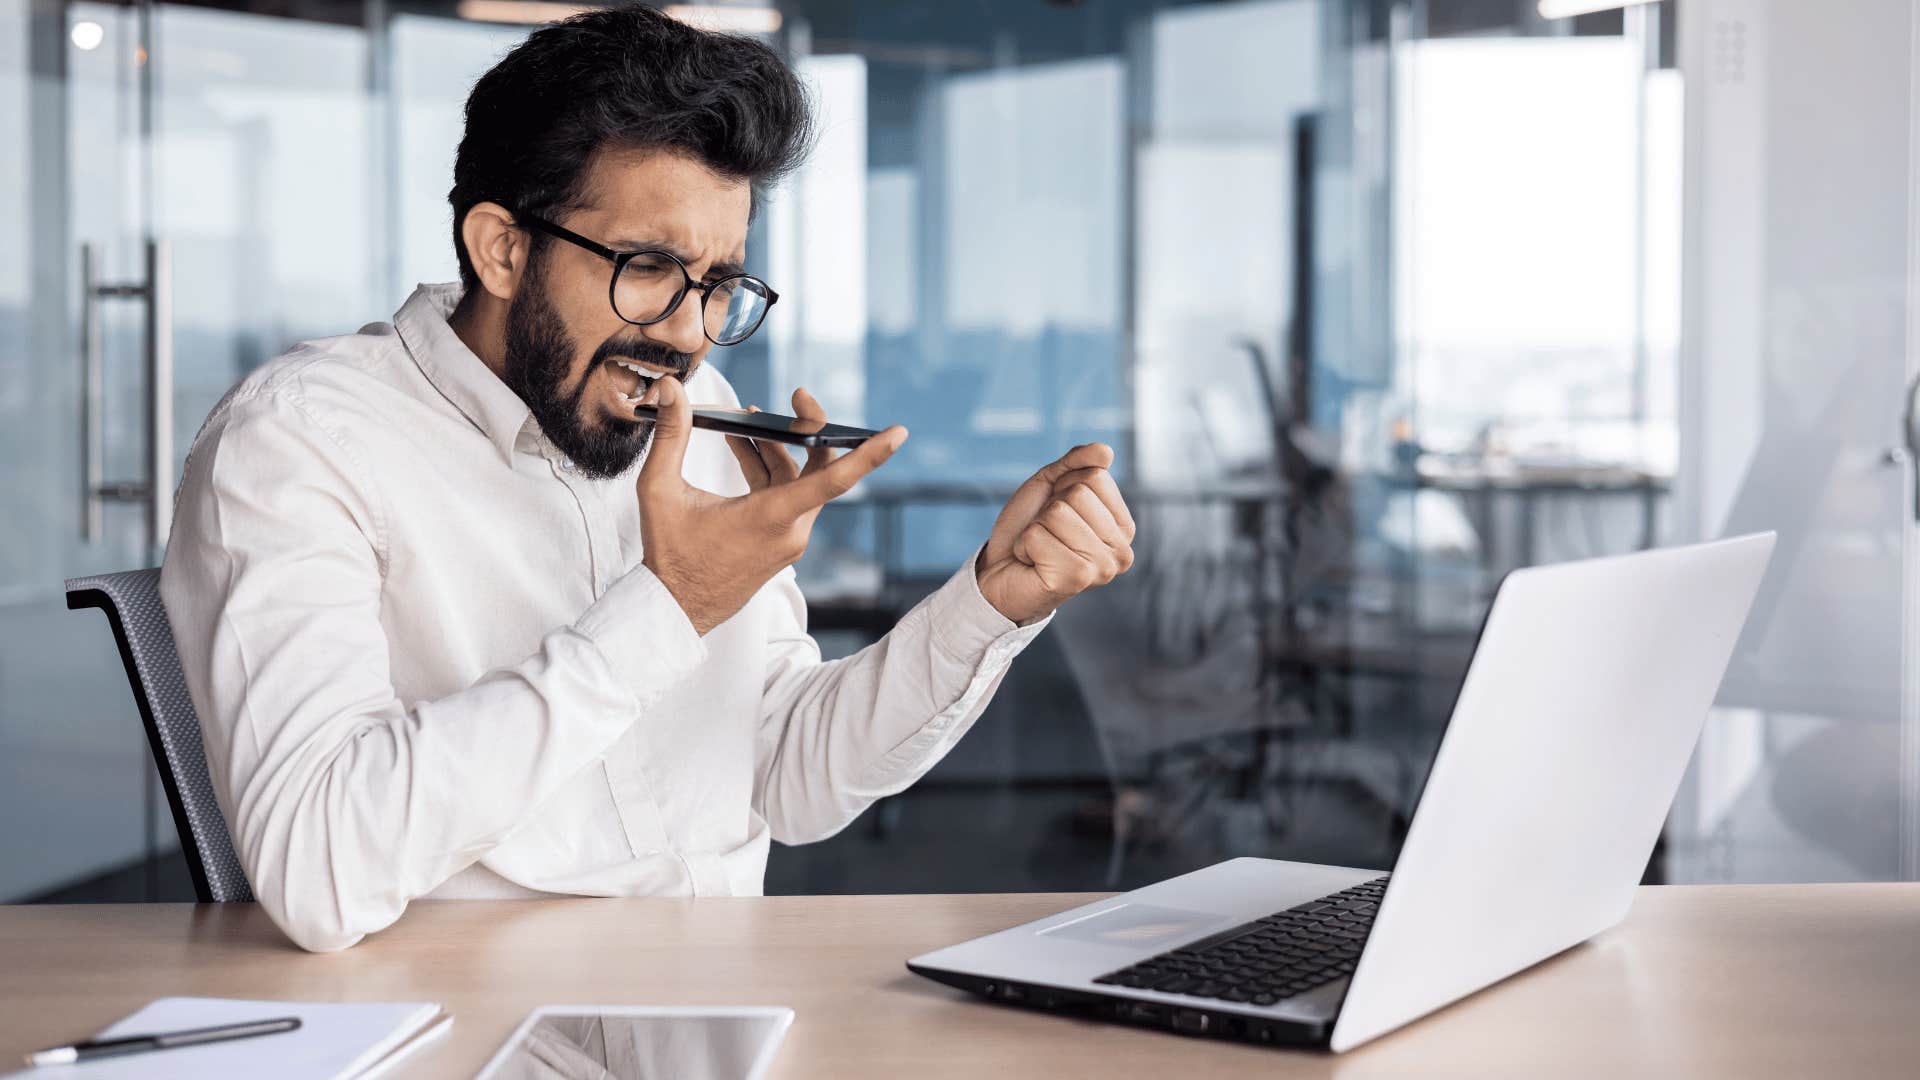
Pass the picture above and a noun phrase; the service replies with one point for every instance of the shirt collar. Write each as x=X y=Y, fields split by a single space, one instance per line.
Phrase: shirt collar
x=453 y=369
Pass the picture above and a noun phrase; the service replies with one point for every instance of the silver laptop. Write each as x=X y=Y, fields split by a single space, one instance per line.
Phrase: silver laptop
x=1567 y=743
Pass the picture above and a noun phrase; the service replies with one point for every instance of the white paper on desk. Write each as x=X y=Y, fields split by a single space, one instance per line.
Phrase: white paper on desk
x=335 y=1041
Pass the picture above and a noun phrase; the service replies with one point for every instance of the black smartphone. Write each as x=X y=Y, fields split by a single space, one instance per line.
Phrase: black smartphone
x=772 y=427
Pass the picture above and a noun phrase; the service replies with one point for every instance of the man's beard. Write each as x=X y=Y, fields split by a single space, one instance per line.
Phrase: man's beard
x=539 y=352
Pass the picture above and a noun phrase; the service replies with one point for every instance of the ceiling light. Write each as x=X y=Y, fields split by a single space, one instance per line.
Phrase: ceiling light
x=529 y=12
x=87 y=35
x=726 y=19
x=1566 y=9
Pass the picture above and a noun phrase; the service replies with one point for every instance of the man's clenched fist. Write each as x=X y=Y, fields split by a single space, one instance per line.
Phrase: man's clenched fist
x=1066 y=530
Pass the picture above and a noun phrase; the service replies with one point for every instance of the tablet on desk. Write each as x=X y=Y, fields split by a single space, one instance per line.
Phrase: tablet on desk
x=642 y=1042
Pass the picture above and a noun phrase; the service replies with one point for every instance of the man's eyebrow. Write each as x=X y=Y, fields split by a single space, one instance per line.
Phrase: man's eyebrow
x=721 y=268
x=629 y=244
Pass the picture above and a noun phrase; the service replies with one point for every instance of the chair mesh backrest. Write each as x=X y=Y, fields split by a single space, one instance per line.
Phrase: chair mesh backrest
x=139 y=620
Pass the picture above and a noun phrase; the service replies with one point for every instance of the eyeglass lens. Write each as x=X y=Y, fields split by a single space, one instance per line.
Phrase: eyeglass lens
x=650 y=283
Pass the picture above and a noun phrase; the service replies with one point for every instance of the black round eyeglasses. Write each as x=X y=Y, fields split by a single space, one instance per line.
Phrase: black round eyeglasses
x=648 y=286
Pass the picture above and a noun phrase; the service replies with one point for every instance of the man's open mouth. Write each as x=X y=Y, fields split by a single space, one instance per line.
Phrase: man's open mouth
x=642 y=381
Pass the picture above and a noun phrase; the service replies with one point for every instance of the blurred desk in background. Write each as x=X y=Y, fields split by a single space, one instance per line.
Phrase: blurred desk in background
x=1484 y=480
x=870 y=604
x=1378 y=643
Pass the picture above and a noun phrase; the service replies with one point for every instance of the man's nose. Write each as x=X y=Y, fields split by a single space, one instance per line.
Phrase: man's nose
x=681 y=331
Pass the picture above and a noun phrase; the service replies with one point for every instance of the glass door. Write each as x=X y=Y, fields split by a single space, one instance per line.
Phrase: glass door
x=82 y=335
x=197 y=189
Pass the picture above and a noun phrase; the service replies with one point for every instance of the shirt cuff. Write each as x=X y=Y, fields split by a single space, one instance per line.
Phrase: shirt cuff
x=644 y=634
x=967 y=627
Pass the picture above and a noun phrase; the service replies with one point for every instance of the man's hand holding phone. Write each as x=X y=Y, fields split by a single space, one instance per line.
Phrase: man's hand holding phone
x=713 y=552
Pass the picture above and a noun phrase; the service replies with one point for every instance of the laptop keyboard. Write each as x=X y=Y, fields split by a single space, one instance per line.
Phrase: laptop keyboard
x=1269 y=959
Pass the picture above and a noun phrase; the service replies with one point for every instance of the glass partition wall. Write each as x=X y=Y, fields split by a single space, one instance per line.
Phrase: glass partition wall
x=1376 y=300
x=1796 y=409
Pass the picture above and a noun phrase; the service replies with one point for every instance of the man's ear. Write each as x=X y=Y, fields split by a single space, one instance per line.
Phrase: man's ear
x=496 y=248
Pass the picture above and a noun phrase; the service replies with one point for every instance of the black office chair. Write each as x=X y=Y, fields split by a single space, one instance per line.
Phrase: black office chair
x=139 y=620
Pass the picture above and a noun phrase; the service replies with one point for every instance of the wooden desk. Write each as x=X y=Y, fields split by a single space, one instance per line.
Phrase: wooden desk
x=1738 y=981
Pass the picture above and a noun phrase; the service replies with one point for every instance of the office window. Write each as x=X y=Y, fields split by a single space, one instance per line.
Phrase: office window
x=1140 y=227
x=1375 y=302
x=1375 y=306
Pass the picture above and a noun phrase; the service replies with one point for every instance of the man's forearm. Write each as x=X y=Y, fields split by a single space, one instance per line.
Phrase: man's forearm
x=846 y=733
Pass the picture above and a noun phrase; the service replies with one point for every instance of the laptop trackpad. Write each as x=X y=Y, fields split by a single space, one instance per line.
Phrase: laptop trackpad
x=1137 y=925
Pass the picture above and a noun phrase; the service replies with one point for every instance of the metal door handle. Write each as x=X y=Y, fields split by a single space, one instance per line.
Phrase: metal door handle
x=1910 y=430
x=159 y=393
x=92 y=440
x=156 y=293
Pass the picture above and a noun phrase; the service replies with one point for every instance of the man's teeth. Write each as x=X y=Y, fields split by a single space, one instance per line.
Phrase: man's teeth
x=647 y=379
x=645 y=375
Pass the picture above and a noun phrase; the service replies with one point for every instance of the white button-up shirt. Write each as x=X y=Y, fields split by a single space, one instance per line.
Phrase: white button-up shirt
x=428 y=661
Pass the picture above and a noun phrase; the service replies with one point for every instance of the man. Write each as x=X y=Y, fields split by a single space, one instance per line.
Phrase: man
x=460 y=623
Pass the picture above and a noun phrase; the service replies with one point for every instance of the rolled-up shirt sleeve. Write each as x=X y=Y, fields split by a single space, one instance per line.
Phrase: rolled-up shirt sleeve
x=345 y=802
x=835 y=736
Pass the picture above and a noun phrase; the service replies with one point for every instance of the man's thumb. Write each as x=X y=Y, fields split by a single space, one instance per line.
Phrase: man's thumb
x=673 y=420
x=1084 y=456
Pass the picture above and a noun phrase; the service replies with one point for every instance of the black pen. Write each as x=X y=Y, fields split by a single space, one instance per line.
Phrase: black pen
x=140 y=1044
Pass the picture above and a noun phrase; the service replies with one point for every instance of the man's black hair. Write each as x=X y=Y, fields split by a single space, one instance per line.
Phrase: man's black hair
x=622 y=78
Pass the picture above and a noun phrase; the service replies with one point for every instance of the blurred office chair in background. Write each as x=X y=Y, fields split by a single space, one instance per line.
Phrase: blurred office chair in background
x=132 y=604
x=1208 y=744
x=1216 y=671
x=1167 y=661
